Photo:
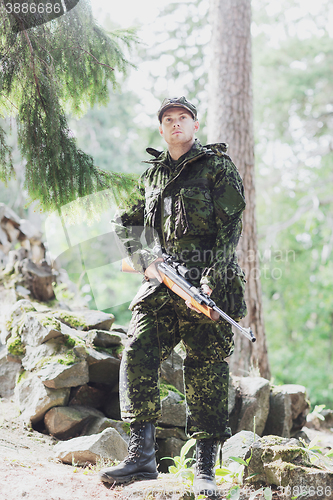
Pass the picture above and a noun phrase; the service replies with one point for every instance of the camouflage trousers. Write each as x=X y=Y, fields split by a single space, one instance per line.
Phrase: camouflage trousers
x=159 y=323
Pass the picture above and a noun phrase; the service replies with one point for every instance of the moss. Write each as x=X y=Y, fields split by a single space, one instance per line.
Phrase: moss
x=69 y=341
x=23 y=375
x=165 y=388
x=15 y=346
x=48 y=321
x=67 y=359
x=70 y=319
x=126 y=427
x=113 y=351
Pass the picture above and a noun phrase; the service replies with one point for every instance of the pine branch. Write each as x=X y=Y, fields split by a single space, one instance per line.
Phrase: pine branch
x=41 y=78
x=86 y=51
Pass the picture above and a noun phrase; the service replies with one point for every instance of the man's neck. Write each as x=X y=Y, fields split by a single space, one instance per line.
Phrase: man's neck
x=176 y=151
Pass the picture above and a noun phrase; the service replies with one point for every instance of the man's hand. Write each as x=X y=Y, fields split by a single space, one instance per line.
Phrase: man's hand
x=205 y=288
x=152 y=272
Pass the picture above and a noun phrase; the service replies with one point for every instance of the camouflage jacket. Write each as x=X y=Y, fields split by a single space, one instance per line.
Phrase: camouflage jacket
x=191 y=209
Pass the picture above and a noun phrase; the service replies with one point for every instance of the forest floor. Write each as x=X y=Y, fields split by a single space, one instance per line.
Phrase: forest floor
x=29 y=469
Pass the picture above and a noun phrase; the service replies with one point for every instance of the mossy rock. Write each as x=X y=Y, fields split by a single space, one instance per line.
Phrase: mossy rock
x=15 y=346
x=74 y=320
x=273 y=457
x=166 y=388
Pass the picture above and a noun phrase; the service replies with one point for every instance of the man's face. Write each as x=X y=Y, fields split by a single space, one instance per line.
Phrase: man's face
x=178 y=127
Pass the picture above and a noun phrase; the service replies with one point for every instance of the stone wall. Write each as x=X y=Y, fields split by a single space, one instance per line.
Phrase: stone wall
x=62 y=367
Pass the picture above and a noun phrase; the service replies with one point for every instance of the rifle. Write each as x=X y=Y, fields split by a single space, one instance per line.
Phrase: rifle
x=176 y=277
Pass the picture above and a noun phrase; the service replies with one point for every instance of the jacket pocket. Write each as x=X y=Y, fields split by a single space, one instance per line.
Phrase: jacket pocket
x=194 y=212
x=235 y=291
x=230 y=291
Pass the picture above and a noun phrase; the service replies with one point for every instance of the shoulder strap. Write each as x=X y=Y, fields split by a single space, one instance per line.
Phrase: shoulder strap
x=220 y=149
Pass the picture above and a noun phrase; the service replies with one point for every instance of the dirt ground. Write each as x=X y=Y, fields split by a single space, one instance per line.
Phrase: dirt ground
x=29 y=469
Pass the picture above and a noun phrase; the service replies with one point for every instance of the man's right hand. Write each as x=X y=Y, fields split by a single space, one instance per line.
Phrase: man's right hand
x=152 y=272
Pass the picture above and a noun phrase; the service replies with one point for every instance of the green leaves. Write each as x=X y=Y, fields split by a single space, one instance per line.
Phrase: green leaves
x=181 y=463
x=60 y=67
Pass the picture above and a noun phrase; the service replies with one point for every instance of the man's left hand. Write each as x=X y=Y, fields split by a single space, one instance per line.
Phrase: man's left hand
x=208 y=291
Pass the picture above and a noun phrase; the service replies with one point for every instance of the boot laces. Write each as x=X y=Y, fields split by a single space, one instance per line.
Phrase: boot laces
x=205 y=461
x=135 y=445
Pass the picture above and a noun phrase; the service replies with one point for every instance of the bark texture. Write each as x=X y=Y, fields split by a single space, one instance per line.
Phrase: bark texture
x=230 y=119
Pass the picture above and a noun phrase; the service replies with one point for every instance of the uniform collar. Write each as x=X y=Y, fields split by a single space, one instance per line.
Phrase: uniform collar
x=162 y=157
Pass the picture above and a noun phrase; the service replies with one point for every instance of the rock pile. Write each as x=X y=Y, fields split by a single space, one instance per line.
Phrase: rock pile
x=64 y=365
x=22 y=257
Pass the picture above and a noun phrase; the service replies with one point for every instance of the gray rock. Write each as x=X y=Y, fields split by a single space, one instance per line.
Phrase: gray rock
x=9 y=371
x=70 y=421
x=237 y=446
x=97 y=425
x=173 y=411
x=279 y=421
x=299 y=405
x=39 y=328
x=85 y=395
x=268 y=449
x=289 y=407
x=34 y=399
x=100 y=424
x=18 y=309
x=172 y=371
x=169 y=447
x=255 y=403
x=102 y=338
x=86 y=319
x=112 y=407
x=103 y=368
x=285 y=463
x=168 y=432
x=56 y=375
x=107 y=445
x=34 y=356
x=328 y=416
x=233 y=393
x=119 y=329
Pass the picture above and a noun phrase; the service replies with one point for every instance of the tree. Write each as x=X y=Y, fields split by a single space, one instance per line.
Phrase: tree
x=230 y=119
x=59 y=67
x=293 y=86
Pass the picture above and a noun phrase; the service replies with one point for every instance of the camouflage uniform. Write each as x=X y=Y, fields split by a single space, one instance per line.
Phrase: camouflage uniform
x=194 y=206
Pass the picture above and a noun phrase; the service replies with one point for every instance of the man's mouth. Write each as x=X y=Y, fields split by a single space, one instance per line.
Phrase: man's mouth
x=177 y=132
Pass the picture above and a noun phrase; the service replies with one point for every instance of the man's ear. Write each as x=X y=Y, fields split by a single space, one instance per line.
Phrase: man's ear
x=196 y=126
x=160 y=130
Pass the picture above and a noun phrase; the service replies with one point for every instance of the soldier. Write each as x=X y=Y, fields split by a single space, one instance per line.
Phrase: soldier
x=192 y=199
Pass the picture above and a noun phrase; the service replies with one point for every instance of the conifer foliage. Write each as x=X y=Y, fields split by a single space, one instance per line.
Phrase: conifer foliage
x=60 y=67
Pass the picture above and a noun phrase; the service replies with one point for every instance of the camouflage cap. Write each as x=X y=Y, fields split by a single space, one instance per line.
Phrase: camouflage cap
x=177 y=102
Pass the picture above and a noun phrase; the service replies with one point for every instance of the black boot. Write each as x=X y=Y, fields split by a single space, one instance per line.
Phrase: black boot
x=140 y=462
x=204 y=478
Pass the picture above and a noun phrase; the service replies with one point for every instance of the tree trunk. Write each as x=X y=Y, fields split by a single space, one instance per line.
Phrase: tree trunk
x=230 y=119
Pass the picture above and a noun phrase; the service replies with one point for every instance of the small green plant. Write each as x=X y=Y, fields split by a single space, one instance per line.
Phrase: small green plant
x=316 y=456
x=182 y=467
x=316 y=412
x=234 y=472
x=62 y=293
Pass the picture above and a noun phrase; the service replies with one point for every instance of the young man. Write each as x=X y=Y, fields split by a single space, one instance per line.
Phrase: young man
x=191 y=207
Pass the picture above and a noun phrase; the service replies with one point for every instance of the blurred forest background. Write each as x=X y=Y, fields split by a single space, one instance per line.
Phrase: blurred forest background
x=293 y=89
